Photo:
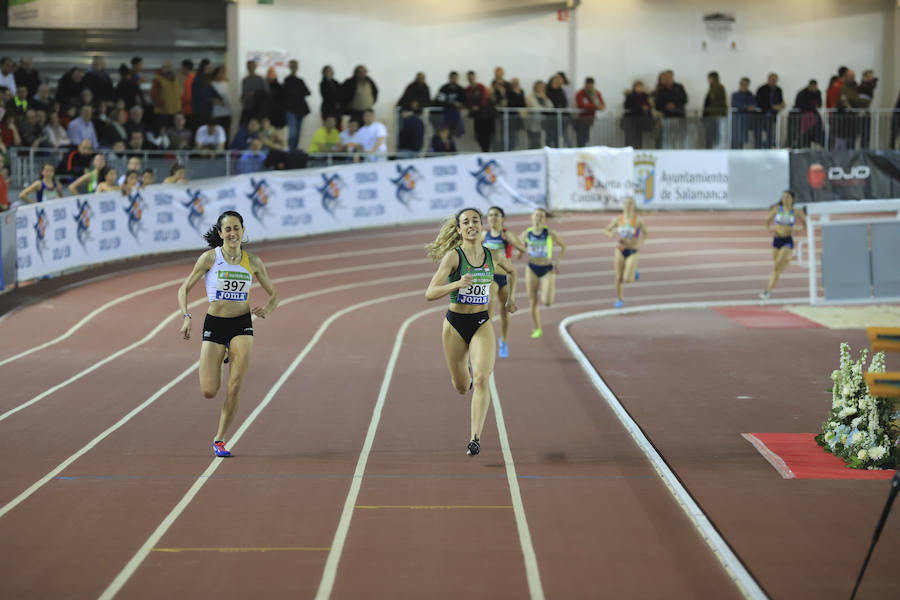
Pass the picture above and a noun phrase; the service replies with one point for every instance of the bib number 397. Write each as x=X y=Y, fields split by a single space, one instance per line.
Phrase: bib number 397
x=232 y=288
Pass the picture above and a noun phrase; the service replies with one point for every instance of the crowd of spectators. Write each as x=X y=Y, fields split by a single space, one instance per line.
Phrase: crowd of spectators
x=188 y=108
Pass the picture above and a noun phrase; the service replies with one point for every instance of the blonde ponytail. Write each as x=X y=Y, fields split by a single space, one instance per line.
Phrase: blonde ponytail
x=447 y=239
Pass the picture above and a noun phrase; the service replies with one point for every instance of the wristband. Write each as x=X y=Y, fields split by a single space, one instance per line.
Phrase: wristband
x=187 y=315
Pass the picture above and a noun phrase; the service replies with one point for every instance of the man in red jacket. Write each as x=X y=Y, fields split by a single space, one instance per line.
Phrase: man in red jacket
x=589 y=100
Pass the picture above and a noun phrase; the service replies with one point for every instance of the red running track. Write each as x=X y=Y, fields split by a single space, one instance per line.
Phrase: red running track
x=350 y=478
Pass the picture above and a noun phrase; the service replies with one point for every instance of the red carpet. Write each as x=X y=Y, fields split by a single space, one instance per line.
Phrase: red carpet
x=765 y=317
x=798 y=456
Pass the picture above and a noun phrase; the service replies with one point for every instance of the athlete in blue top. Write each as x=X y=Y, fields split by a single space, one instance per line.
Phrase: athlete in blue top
x=466 y=273
x=542 y=267
x=632 y=232
x=45 y=188
x=499 y=238
x=228 y=271
x=781 y=221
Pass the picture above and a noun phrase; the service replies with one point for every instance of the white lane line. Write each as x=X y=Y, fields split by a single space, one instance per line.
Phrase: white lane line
x=90 y=445
x=776 y=461
x=145 y=549
x=340 y=535
x=532 y=573
x=717 y=544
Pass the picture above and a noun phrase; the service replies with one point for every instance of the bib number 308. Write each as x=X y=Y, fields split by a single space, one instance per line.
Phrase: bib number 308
x=474 y=294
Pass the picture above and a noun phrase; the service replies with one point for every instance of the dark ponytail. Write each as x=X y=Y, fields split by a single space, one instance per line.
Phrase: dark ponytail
x=213 y=237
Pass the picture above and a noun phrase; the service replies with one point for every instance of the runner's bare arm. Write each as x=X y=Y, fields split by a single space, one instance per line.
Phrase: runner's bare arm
x=437 y=288
x=203 y=264
x=259 y=269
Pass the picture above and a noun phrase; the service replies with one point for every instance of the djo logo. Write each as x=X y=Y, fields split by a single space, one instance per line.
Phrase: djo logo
x=857 y=172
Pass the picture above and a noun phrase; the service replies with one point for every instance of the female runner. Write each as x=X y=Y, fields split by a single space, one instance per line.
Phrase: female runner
x=229 y=271
x=632 y=232
x=45 y=188
x=91 y=177
x=780 y=222
x=466 y=272
x=542 y=269
x=501 y=240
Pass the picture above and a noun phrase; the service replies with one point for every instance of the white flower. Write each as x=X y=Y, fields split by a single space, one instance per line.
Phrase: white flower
x=855 y=422
x=862 y=454
x=877 y=452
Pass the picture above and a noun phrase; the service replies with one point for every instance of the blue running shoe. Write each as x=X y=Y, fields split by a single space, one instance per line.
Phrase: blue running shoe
x=619 y=304
x=637 y=275
x=219 y=449
x=504 y=349
x=227 y=353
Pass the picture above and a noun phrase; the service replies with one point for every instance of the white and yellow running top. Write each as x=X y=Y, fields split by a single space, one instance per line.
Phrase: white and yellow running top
x=225 y=281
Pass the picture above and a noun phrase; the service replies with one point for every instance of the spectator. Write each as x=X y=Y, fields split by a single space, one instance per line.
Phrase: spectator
x=515 y=98
x=411 y=138
x=327 y=138
x=417 y=92
x=895 y=124
x=42 y=100
x=92 y=177
x=770 y=102
x=350 y=141
x=186 y=77
x=743 y=120
x=98 y=80
x=129 y=182
x=76 y=162
x=166 y=95
x=715 y=108
x=833 y=93
x=135 y=120
x=442 y=141
x=221 y=111
x=26 y=75
x=866 y=91
x=534 y=122
x=372 y=136
x=270 y=137
x=7 y=73
x=203 y=95
x=500 y=79
x=19 y=104
x=9 y=133
x=108 y=180
x=83 y=128
x=557 y=96
x=478 y=101
x=180 y=137
x=669 y=97
x=500 y=103
x=272 y=101
x=55 y=134
x=330 y=91
x=69 y=86
x=847 y=124
x=114 y=128
x=137 y=142
x=132 y=166
x=210 y=136
x=148 y=178
x=805 y=123
x=253 y=159
x=450 y=97
x=177 y=174
x=638 y=117
x=359 y=93
x=244 y=134
x=589 y=100
x=127 y=89
x=252 y=87
x=294 y=91
x=30 y=130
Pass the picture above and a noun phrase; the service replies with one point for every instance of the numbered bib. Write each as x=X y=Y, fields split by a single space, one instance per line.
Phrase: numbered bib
x=537 y=249
x=477 y=293
x=233 y=285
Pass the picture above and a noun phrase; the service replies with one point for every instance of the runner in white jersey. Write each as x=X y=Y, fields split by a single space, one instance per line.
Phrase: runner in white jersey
x=228 y=270
x=465 y=273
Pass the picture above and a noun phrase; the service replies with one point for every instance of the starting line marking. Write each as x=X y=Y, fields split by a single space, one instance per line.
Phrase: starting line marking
x=240 y=550
x=428 y=507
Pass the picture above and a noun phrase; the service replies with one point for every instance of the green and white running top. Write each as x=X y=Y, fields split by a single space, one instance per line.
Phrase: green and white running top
x=482 y=278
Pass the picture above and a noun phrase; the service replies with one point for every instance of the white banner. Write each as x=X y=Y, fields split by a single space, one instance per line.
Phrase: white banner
x=684 y=177
x=72 y=232
x=589 y=178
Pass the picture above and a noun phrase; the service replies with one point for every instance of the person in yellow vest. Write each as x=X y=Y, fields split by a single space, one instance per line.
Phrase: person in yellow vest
x=166 y=95
x=228 y=270
x=327 y=138
x=632 y=232
x=465 y=273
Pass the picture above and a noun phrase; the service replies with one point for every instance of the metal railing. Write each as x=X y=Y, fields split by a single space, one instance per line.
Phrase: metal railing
x=523 y=128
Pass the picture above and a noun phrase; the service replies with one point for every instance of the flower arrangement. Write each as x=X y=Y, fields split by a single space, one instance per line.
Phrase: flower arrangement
x=861 y=429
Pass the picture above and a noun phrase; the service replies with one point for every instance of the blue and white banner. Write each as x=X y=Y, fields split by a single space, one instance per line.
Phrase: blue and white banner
x=72 y=232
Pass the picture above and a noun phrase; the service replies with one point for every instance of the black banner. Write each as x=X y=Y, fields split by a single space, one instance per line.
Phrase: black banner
x=853 y=175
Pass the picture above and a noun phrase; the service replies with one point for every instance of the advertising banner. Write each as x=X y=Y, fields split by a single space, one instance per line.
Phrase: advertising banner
x=681 y=177
x=592 y=178
x=72 y=232
x=840 y=175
